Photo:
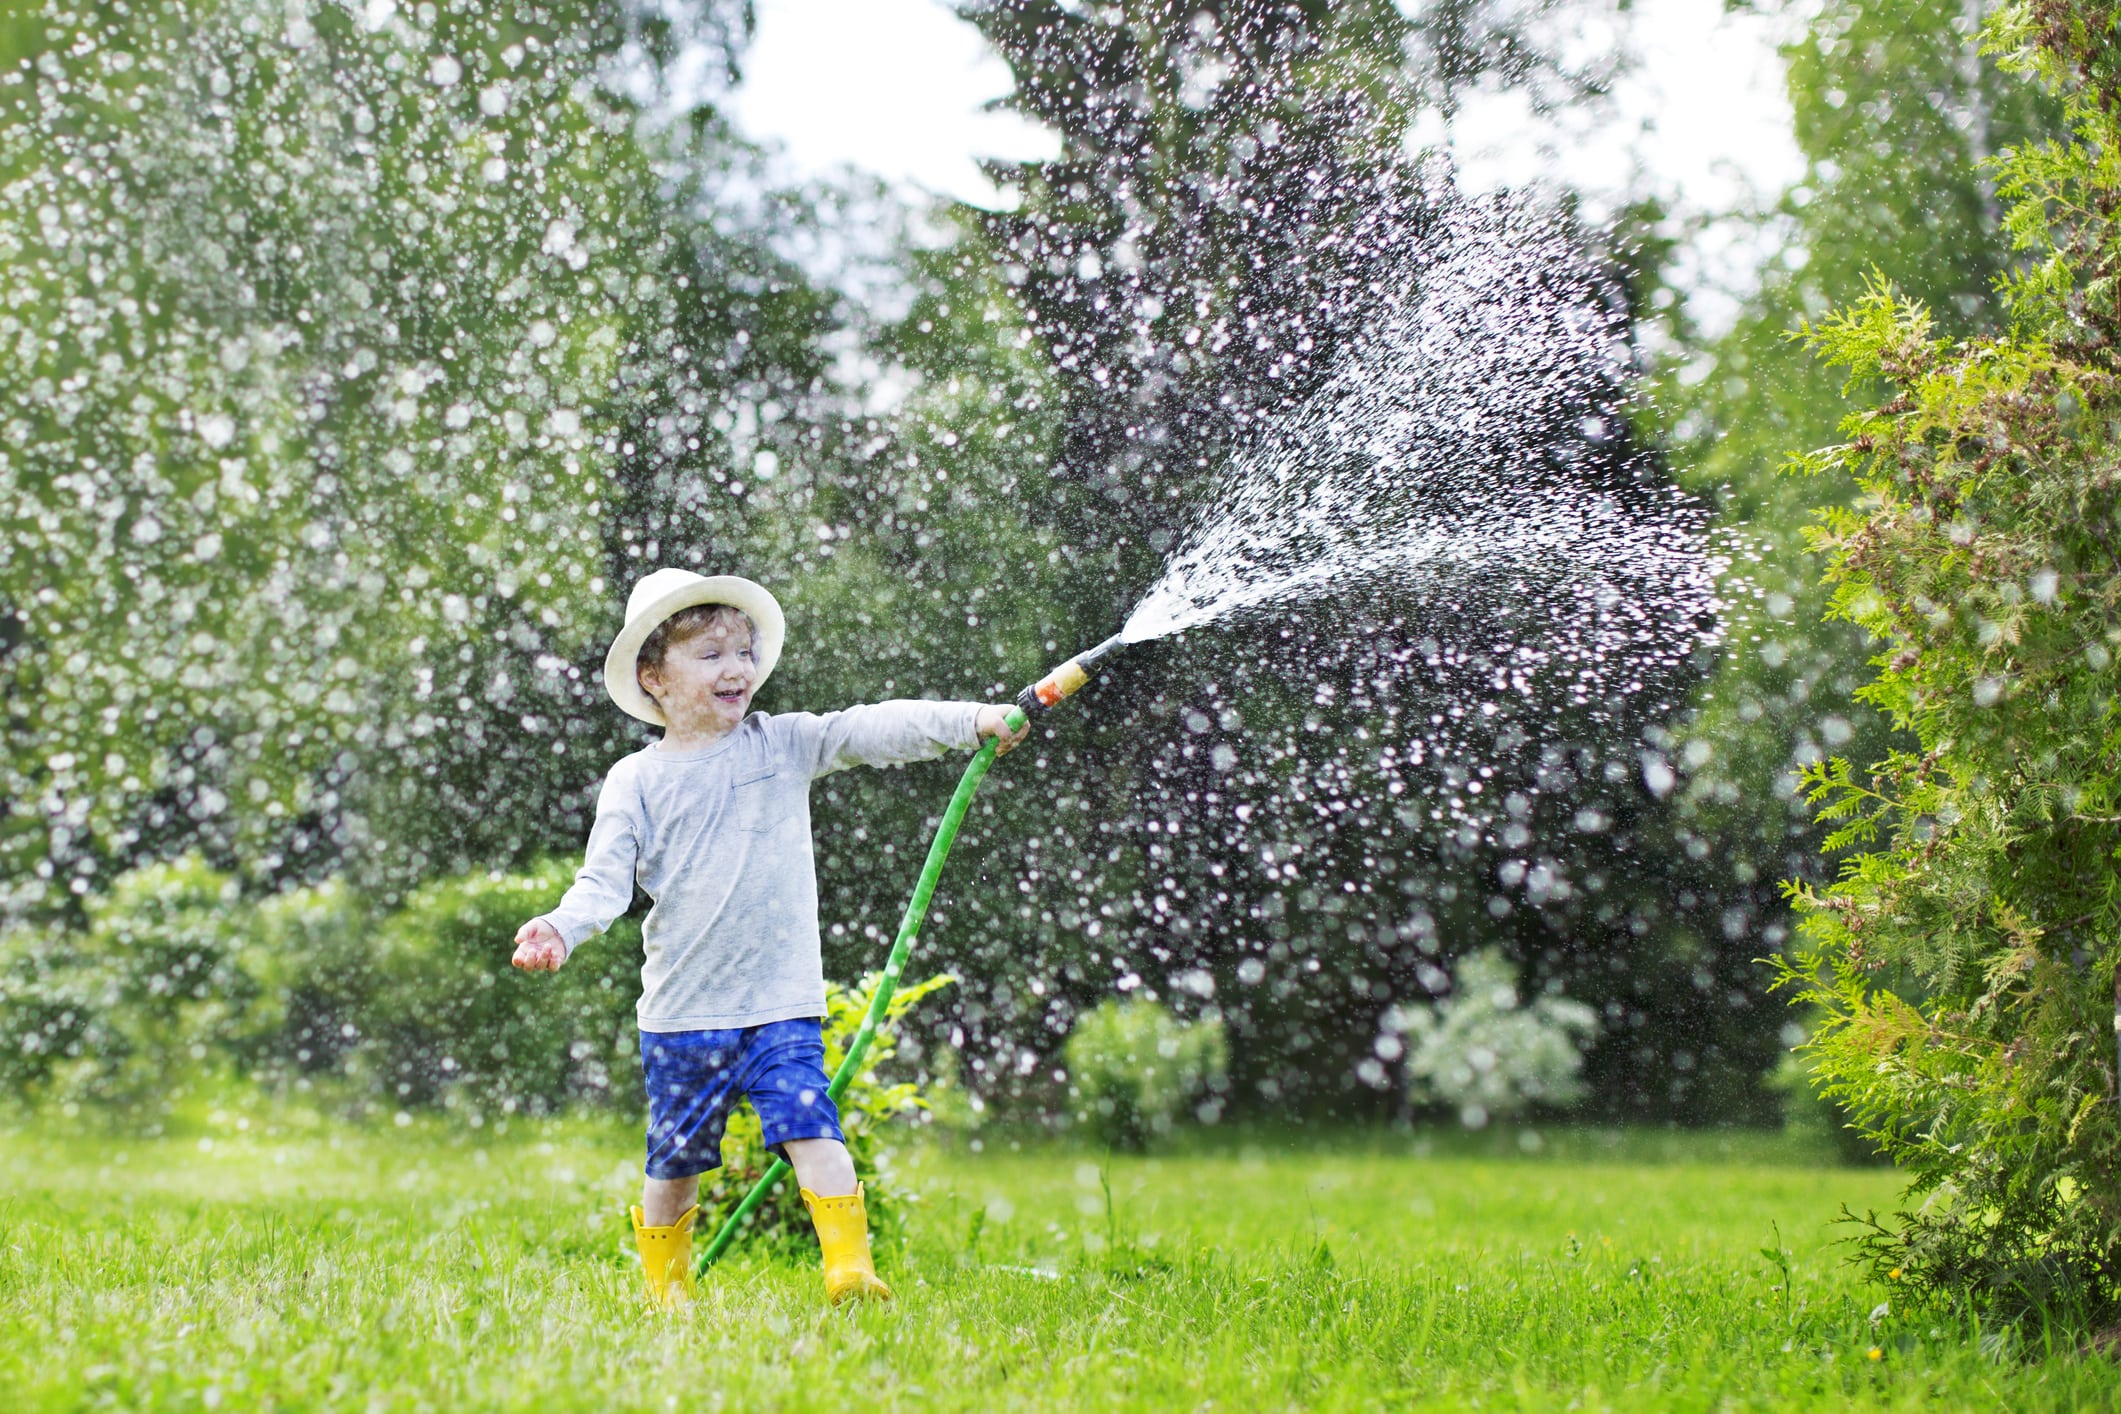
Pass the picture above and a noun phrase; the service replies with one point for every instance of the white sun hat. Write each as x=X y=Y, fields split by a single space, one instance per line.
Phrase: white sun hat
x=662 y=594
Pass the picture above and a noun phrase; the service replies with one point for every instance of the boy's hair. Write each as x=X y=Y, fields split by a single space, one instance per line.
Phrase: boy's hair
x=684 y=624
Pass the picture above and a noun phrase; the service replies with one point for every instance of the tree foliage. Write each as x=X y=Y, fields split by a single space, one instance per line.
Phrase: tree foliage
x=1895 y=111
x=343 y=345
x=1964 y=959
x=359 y=357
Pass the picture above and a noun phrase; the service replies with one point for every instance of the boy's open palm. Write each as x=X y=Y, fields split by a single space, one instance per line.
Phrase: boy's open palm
x=538 y=947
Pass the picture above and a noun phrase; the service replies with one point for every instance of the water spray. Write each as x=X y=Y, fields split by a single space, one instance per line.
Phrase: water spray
x=1040 y=697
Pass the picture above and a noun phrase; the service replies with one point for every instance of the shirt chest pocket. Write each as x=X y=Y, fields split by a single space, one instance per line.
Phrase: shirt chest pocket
x=755 y=800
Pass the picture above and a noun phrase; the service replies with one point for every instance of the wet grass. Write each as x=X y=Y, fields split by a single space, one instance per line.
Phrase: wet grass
x=436 y=1270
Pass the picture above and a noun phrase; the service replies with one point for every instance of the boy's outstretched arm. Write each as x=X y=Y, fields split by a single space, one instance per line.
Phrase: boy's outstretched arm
x=889 y=733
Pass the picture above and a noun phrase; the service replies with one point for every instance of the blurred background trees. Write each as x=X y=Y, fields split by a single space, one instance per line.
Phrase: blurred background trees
x=360 y=357
x=327 y=337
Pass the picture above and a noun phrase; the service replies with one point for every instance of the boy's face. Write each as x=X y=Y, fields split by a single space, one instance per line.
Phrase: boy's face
x=705 y=683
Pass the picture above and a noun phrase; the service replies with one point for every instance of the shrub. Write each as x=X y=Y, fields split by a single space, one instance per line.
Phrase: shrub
x=869 y=1103
x=1963 y=961
x=147 y=995
x=1486 y=1054
x=1133 y=1067
x=305 y=952
x=175 y=976
x=431 y=1012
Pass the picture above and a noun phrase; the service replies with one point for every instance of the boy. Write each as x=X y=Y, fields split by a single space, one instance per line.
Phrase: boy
x=713 y=823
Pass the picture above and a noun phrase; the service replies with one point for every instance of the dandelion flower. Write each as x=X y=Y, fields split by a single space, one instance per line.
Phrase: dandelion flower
x=1876 y=1353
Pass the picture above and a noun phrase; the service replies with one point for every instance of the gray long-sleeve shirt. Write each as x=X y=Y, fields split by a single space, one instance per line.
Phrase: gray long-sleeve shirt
x=720 y=840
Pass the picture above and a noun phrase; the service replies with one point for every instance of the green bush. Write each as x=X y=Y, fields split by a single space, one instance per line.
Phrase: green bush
x=431 y=1011
x=1133 y=1067
x=174 y=977
x=869 y=1103
x=1485 y=1053
x=127 y=1009
x=1963 y=962
x=305 y=952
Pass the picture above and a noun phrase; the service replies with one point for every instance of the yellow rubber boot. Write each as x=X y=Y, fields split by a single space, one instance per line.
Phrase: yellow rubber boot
x=843 y=1231
x=666 y=1258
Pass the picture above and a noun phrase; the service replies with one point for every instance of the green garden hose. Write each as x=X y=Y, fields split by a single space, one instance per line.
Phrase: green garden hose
x=908 y=929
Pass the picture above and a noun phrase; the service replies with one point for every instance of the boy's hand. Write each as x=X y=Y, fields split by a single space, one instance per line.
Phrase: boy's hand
x=994 y=722
x=538 y=947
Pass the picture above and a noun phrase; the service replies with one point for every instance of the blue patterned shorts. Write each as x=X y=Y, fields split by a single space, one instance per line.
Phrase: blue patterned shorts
x=695 y=1079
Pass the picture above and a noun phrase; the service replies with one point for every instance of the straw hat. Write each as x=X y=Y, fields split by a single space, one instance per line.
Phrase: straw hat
x=662 y=594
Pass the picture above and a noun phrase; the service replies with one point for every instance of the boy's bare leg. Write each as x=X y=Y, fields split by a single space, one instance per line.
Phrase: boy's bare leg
x=822 y=1166
x=664 y=1200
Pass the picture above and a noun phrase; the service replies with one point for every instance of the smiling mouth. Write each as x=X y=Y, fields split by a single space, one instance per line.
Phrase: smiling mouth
x=737 y=696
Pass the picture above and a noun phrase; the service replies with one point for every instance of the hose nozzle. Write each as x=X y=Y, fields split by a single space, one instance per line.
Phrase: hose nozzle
x=1067 y=679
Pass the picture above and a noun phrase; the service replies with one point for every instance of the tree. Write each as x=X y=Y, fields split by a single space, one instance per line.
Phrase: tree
x=346 y=353
x=1963 y=959
x=1894 y=111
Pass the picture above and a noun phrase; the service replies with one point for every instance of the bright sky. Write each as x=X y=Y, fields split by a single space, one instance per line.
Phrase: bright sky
x=891 y=86
x=895 y=87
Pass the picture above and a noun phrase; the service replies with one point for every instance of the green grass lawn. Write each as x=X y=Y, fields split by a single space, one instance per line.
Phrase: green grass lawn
x=428 y=1269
